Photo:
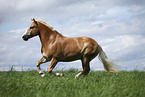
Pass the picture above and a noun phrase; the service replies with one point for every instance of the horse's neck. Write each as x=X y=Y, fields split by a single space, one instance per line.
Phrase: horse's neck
x=48 y=36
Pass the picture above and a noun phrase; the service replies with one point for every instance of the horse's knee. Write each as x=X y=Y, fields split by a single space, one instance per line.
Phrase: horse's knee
x=42 y=60
x=38 y=64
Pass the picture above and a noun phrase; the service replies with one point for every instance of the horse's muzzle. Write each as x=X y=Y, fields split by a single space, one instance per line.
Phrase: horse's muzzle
x=26 y=37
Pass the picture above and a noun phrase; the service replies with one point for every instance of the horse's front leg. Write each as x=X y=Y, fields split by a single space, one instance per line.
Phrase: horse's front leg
x=42 y=60
x=51 y=67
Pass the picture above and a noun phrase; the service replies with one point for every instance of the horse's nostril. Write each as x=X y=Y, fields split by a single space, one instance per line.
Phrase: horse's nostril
x=22 y=36
x=25 y=37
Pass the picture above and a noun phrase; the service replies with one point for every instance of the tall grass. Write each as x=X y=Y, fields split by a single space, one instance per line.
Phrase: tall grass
x=96 y=84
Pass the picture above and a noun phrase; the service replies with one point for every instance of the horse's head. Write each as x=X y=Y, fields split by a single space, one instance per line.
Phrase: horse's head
x=32 y=31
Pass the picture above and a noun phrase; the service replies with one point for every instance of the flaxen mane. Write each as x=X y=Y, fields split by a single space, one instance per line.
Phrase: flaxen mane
x=49 y=26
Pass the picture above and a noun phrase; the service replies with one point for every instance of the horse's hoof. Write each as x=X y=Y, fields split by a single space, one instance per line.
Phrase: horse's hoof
x=78 y=75
x=59 y=74
x=42 y=75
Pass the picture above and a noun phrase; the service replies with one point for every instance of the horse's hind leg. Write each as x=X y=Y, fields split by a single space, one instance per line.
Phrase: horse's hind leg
x=42 y=60
x=86 y=67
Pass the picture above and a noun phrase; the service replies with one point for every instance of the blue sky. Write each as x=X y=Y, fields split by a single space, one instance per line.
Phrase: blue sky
x=118 y=25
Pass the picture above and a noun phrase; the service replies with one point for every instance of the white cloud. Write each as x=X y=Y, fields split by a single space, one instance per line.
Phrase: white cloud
x=15 y=51
x=63 y=10
x=121 y=47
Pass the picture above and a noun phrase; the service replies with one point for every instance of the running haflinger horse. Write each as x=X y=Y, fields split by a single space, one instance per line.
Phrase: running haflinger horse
x=58 y=48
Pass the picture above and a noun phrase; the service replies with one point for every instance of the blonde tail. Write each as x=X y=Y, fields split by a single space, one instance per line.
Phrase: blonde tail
x=108 y=65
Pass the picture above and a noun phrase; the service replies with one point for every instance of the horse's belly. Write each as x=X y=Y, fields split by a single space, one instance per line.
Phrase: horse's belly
x=69 y=57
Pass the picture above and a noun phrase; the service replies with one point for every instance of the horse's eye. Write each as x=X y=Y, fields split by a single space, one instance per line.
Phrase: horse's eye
x=32 y=27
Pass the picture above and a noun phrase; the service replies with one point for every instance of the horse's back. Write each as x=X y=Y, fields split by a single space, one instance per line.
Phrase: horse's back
x=81 y=45
x=81 y=42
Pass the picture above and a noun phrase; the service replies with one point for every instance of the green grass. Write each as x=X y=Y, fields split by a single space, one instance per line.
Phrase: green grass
x=96 y=84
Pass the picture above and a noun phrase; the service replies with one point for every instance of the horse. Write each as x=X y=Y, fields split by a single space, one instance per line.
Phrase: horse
x=58 y=48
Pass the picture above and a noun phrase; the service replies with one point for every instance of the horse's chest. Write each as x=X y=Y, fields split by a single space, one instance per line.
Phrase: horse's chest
x=48 y=51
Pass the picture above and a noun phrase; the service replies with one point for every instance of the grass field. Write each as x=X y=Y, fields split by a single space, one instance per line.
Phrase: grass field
x=96 y=84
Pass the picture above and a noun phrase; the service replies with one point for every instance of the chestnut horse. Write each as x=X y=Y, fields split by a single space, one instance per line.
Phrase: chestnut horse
x=58 y=48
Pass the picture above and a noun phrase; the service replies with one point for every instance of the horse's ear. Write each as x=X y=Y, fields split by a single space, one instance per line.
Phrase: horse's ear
x=34 y=21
